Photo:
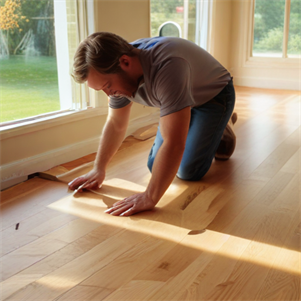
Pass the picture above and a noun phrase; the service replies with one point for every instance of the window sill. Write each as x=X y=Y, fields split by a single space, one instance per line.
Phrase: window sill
x=38 y=123
x=270 y=62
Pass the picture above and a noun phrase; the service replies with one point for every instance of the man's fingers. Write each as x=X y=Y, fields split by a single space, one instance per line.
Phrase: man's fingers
x=128 y=212
x=90 y=185
x=114 y=211
x=76 y=183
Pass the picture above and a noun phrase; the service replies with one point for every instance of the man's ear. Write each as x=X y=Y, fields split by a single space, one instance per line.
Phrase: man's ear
x=125 y=62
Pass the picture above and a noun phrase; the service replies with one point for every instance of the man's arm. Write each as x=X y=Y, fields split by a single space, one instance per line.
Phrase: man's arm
x=174 y=129
x=112 y=136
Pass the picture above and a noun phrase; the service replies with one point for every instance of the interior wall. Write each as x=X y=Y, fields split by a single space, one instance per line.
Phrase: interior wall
x=221 y=31
x=41 y=149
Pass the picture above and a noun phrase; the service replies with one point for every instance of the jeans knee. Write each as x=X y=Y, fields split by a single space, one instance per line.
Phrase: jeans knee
x=192 y=174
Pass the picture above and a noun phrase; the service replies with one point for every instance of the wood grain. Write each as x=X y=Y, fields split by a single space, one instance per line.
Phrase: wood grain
x=234 y=235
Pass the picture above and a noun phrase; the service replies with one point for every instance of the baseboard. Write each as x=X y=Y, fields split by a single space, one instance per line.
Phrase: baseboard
x=11 y=172
x=268 y=83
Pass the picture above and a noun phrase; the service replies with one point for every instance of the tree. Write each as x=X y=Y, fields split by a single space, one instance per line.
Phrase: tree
x=10 y=15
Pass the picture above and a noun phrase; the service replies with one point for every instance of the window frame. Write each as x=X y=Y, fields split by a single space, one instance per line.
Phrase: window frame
x=257 y=61
x=93 y=103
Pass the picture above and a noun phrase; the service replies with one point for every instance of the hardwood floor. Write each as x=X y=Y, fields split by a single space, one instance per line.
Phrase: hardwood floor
x=234 y=235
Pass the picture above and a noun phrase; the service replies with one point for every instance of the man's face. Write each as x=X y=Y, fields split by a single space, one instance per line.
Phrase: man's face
x=117 y=84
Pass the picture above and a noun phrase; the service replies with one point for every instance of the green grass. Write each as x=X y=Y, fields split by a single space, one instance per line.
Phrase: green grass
x=28 y=87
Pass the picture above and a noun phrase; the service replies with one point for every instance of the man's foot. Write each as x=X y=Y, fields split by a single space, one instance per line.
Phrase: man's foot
x=228 y=141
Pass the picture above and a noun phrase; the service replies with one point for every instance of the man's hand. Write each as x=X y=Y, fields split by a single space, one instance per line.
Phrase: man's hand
x=92 y=180
x=131 y=205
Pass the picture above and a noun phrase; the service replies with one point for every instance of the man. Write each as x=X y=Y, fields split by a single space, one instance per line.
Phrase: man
x=195 y=95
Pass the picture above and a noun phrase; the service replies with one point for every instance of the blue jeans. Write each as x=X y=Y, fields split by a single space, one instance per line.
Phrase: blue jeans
x=206 y=128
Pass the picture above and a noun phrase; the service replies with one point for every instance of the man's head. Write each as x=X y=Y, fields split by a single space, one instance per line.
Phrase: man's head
x=105 y=57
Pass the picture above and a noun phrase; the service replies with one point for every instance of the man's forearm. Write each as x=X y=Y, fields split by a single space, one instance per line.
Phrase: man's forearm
x=110 y=142
x=165 y=167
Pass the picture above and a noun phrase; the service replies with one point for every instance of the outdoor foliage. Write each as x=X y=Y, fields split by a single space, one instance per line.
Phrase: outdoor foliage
x=10 y=16
x=269 y=24
x=28 y=78
x=163 y=11
x=20 y=17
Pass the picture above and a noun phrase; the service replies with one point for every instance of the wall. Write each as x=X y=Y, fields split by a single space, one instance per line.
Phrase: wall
x=38 y=147
x=221 y=31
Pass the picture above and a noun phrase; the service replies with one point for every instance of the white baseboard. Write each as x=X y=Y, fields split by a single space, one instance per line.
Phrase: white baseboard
x=268 y=83
x=16 y=172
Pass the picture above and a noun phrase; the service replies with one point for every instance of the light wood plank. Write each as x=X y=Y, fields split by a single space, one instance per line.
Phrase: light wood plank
x=27 y=255
x=57 y=259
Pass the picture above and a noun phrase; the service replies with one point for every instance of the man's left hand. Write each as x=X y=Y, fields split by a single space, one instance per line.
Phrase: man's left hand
x=131 y=205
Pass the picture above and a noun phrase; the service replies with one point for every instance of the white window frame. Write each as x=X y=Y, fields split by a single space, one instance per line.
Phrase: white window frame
x=94 y=104
x=203 y=23
x=256 y=61
x=62 y=54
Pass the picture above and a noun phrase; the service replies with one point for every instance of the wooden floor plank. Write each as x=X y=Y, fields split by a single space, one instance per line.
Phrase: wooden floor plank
x=87 y=293
x=29 y=254
x=71 y=274
x=57 y=259
x=33 y=228
x=67 y=248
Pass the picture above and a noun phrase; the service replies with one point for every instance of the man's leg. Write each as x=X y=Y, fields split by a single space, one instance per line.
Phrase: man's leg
x=207 y=125
x=228 y=141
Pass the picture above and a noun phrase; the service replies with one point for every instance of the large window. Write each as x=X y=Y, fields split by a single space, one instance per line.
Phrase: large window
x=37 y=42
x=277 y=28
x=181 y=12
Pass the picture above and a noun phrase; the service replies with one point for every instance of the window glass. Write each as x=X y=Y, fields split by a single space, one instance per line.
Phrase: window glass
x=268 y=28
x=29 y=80
x=294 y=37
x=173 y=11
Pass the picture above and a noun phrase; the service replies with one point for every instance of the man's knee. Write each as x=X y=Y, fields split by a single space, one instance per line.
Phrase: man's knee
x=192 y=174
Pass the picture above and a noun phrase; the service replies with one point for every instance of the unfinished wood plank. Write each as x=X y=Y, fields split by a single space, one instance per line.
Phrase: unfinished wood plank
x=52 y=173
x=146 y=132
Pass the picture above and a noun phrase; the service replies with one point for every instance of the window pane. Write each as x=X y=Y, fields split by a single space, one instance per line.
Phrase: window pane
x=29 y=80
x=172 y=10
x=294 y=37
x=268 y=28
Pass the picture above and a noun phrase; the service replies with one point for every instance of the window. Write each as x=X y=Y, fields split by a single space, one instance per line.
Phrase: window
x=277 y=30
x=179 y=12
x=37 y=42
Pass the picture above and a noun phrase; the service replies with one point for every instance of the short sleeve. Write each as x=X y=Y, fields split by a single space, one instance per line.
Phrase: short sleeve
x=173 y=86
x=118 y=102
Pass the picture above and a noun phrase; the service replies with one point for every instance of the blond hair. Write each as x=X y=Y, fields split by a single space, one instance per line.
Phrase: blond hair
x=101 y=51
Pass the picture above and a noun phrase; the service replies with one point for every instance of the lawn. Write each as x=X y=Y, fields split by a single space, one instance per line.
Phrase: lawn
x=28 y=86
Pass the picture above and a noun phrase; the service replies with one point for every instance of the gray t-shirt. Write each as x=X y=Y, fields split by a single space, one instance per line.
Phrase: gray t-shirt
x=176 y=74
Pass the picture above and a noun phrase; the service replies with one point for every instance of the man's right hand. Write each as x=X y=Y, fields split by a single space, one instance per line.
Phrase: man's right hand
x=92 y=180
